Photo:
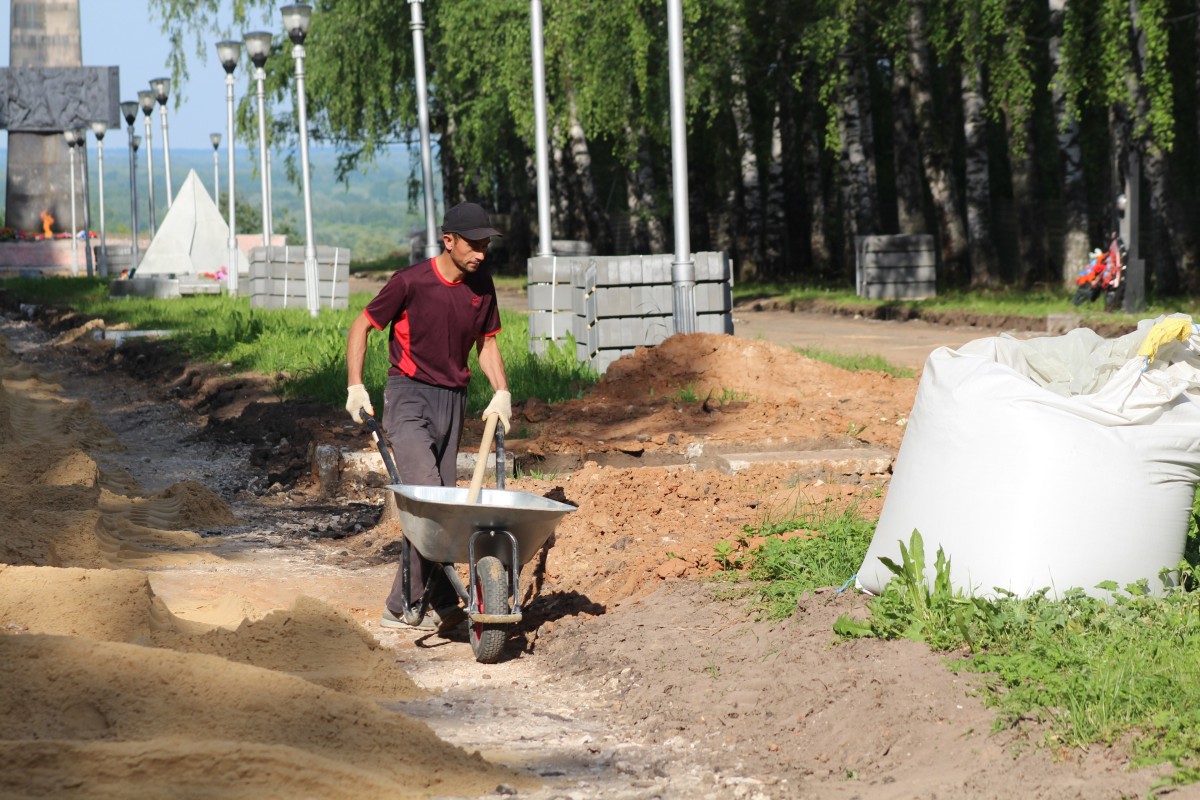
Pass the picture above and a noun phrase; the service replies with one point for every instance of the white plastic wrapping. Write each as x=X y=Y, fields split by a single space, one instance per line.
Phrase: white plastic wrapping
x=1055 y=462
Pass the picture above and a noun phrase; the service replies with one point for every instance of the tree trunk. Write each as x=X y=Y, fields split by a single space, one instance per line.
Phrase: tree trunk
x=980 y=231
x=910 y=205
x=1075 y=217
x=775 y=222
x=746 y=195
x=934 y=161
x=821 y=252
x=648 y=234
x=857 y=168
x=594 y=221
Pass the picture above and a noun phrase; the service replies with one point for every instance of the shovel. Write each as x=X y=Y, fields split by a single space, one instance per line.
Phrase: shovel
x=489 y=433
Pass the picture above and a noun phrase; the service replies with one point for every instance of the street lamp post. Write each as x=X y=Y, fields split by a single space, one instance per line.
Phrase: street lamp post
x=85 y=192
x=433 y=245
x=162 y=89
x=215 y=138
x=99 y=128
x=229 y=52
x=258 y=47
x=295 y=22
x=69 y=135
x=129 y=110
x=147 y=100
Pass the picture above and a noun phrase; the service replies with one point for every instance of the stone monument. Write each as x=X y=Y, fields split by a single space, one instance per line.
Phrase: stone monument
x=45 y=91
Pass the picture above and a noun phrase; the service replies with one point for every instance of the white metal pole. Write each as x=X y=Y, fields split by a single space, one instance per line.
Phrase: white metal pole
x=545 y=234
x=103 y=238
x=260 y=75
x=217 y=177
x=683 y=268
x=231 y=145
x=74 y=228
x=310 y=249
x=433 y=244
x=166 y=153
x=85 y=190
x=133 y=203
x=150 y=176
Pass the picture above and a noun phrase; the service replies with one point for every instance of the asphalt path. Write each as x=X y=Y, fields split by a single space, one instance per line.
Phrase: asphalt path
x=905 y=344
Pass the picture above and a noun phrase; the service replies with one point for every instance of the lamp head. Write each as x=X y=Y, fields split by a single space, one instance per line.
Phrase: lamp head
x=146 y=100
x=69 y=135
x=229 y=53
x=129 y=109
x=161 y=88
x=295 y=21
x=99 y=128
x=137 y=142
x=1122 y=203
x=258 y=47
x=81 y=137
x=215 y=138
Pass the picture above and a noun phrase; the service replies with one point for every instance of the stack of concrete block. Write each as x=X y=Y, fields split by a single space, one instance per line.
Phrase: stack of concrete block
x=280 y=281
x=549 y=294
x=900 y=267
x=621 y=303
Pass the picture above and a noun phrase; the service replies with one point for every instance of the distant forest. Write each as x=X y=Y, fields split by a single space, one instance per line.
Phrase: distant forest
x=369 y=212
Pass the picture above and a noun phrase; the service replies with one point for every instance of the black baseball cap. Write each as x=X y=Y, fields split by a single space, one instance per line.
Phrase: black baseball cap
x=469 y=221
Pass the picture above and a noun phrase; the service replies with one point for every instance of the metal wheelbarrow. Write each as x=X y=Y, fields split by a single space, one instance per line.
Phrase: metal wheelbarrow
x=493 y=531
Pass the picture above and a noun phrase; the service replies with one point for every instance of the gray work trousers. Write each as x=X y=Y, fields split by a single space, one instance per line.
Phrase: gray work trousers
x=423 y=423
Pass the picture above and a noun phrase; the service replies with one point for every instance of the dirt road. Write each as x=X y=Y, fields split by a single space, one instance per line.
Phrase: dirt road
x=633 y=675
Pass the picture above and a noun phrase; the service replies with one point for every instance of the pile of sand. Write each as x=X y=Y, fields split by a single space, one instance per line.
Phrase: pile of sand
x=105 y=693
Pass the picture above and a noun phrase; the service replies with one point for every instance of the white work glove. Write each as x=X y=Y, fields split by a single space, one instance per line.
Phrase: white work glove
x=356 y=399
x=501 y=405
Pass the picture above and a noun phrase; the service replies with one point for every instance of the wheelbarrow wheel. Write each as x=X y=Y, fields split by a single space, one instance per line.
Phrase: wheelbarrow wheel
x=491 y=595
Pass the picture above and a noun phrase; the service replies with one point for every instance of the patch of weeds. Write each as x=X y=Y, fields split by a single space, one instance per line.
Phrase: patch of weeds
x=687 y=394
x=856 y=362
x=830 y=550
x=726 y=554
x=1109 y=669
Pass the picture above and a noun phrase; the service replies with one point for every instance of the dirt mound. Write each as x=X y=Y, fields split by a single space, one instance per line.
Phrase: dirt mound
x=718 y=390
x=124 y=718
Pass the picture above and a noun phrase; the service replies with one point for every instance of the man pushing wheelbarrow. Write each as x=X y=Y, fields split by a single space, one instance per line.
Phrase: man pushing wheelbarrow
x=434 y=310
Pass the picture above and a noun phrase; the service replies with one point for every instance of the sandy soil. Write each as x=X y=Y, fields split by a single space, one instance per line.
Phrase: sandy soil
x=190 y=606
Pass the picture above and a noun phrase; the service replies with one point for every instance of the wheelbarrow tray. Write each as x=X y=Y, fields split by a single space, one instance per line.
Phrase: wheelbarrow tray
x=438 y=521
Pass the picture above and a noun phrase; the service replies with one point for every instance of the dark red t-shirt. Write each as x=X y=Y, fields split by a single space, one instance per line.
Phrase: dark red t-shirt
x=434 y=323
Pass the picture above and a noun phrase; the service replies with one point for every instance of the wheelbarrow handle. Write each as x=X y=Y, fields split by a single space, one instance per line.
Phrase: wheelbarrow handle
x=489 y=431
x=381 y=442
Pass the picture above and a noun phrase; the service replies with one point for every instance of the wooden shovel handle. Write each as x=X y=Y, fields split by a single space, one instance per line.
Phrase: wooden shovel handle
x=489 y=433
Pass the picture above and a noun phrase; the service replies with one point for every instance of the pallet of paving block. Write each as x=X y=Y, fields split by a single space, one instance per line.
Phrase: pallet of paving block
x=895 y=267
x=280 y=285
x=651 y=299
x=656 y=269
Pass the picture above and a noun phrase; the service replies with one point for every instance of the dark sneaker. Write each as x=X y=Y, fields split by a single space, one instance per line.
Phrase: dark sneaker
x=390 y=620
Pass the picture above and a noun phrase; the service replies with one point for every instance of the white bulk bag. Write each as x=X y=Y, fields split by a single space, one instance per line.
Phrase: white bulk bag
x=1054 y=462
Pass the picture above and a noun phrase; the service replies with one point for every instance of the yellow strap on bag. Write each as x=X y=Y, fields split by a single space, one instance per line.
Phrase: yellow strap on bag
x=1164 y=331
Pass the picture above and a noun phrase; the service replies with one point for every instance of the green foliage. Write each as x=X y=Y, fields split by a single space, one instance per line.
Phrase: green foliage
x=856 y=362
x=1091 y=670
x=306 y=355
x=829 y=552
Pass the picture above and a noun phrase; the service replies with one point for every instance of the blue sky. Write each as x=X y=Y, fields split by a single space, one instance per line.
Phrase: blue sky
x=121 y=33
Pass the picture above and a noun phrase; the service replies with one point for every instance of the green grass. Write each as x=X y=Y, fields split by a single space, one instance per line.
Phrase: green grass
x=307 y=355
x=784 y=569
x=856 y=361
x=999 y=303
x=1089 y=671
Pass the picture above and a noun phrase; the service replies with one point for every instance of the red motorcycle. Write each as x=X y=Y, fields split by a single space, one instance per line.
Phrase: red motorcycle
x=1104 y=274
